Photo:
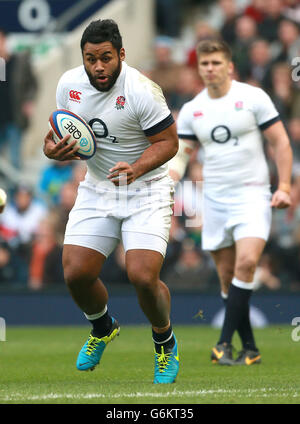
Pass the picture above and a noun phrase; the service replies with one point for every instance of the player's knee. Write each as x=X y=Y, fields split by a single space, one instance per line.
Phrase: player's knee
x=142 y=280
x=75 y=275
x=246 y=264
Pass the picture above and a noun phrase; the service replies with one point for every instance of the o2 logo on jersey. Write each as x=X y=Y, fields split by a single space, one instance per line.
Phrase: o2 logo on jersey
x=221 y=134
x=100 y=130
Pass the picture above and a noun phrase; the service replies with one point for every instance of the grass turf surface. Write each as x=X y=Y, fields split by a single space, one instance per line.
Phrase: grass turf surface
x=37 y=365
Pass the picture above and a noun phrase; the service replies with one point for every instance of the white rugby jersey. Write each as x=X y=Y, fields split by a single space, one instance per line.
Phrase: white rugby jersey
x=120 y=118
x=229 y=129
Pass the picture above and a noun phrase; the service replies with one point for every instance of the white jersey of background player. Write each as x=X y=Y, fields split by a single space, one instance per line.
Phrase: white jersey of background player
x=120 y=118
x=229 y=129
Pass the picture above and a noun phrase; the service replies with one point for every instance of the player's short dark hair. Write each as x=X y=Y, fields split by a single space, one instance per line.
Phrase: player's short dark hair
x=100 y=31
x=213 y=46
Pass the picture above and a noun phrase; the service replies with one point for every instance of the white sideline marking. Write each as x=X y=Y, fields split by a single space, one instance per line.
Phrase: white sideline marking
x=263 y=392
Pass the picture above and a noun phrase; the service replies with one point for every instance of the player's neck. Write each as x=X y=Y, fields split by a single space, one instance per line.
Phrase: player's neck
x=219 y=90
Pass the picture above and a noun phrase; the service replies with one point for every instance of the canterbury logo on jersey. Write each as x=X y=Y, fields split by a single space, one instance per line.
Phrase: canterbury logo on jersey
x=75 y=95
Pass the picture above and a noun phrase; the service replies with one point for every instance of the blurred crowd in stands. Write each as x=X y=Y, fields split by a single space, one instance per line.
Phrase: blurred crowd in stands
x=265 y=38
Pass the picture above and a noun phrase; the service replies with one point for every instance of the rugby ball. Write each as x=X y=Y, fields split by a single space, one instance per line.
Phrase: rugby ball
x=3 y=198
x=64 y=122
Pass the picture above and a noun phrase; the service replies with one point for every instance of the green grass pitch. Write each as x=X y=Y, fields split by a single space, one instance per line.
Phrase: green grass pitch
x=37 y=366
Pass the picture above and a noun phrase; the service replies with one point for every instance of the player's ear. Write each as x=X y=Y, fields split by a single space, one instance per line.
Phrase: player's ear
x=122 y=53
x=231 y=69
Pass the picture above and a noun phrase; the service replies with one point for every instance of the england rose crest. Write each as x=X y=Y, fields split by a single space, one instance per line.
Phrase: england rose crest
x=120 y=102
x=238 y=105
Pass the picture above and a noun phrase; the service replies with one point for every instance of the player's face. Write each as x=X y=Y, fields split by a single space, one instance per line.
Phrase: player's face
x=215 y=69
x=102 y=64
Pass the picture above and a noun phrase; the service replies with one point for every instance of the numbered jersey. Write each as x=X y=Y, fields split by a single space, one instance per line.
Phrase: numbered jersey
x=121 y=118
x=229 y=129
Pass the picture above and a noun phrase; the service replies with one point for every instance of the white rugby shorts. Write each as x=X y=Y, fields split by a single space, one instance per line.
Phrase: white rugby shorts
x=226 y=222
x=138 y=214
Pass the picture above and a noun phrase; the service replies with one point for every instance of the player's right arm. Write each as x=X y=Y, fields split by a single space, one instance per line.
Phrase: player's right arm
x=283 y=156
x=178 y=164
x=187 y=142
x=270 y=124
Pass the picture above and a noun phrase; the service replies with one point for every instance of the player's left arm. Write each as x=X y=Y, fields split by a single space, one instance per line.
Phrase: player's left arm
x=164 y=146
x=277 y=136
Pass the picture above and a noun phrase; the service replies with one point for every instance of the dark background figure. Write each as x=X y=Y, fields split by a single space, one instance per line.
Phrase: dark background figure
x=17 y=94
x=13 y=270
x=169 y=17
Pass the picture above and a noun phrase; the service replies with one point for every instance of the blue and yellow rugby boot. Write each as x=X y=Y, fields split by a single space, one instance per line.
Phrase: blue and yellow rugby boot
x=91 y=352
x=166 y=365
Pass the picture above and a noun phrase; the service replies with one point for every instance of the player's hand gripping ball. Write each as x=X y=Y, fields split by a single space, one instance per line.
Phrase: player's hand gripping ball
x=64 y=122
